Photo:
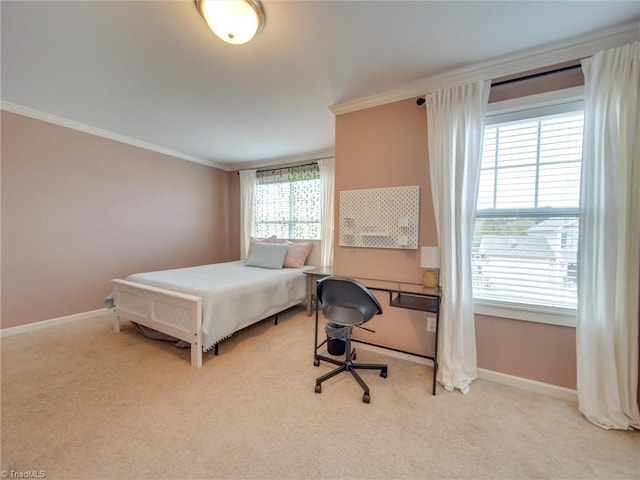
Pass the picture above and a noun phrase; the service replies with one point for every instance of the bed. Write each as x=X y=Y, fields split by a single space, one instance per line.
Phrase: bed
x=205 y=304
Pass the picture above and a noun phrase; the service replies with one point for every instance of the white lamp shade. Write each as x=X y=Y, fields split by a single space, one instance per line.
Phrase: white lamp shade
x=234 y=21
x=430 y=257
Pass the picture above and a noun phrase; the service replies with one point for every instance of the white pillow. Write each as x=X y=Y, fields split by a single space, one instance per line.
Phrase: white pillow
x=254 y=240
x=267 y=255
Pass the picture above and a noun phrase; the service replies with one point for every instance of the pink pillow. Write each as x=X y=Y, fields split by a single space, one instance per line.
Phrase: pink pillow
x=254 y=240
x=297 y=254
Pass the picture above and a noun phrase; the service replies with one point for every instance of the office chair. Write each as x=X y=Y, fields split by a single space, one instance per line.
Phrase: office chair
x=346 y=302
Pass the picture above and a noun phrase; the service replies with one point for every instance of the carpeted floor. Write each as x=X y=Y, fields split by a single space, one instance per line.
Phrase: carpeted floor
x=82 y=402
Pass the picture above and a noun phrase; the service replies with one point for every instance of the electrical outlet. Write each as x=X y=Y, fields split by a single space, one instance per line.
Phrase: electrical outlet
x=431 y=324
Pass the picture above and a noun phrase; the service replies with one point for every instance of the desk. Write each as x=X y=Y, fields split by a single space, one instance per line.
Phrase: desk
x=412 y=296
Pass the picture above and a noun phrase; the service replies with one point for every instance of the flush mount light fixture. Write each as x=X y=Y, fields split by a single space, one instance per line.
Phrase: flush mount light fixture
x=234 y=21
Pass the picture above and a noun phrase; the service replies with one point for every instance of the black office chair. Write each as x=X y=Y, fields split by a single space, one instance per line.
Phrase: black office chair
x=346 y=302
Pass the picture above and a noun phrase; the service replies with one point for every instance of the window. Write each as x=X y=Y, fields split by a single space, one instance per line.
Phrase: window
x=287 y=202
x=526 y=231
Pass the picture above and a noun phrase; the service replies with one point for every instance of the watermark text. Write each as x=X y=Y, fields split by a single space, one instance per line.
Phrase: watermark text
x=23 y=474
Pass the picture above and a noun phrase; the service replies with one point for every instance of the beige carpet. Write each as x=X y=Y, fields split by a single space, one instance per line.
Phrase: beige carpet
x=82 y=402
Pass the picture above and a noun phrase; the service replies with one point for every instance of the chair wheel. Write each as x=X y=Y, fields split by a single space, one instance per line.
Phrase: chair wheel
x=318 y=388
x=316 y=362
x=366 y=398
x=383 y=373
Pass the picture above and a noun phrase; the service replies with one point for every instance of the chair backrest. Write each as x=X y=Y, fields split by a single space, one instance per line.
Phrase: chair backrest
x=346 y=301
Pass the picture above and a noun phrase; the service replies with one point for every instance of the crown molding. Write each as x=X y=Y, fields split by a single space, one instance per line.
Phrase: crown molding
x=508 y=65
x=64 y=122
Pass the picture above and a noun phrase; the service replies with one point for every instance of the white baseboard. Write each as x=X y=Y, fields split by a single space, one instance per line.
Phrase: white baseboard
x=533 y=386
x=491 y=376
x=7 y=332
x=394 y=354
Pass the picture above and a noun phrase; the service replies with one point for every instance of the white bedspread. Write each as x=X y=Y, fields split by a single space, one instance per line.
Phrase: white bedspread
x=233 y=294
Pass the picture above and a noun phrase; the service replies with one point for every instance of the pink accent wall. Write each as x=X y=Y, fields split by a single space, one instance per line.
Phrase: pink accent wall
x=79 y=210
x=542 y=352
x=386 y=146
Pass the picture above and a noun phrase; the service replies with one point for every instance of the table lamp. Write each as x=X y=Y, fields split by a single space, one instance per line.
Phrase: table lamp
x=430 y=261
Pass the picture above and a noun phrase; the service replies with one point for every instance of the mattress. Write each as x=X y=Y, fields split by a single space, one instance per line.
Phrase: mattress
x=233 y=294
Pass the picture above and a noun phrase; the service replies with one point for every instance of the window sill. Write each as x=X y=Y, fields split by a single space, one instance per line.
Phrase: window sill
x=551 y=317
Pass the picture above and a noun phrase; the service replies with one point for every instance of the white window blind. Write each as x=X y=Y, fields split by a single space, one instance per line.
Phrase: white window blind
x=526 y=231
x=287 y=202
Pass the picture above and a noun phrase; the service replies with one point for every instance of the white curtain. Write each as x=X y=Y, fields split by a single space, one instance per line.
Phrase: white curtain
x=609 y=243
x=327 y=181
x=247 y=191
x=455 y=122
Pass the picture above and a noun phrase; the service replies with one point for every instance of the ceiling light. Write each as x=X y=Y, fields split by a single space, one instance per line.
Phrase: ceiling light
x=234 y=21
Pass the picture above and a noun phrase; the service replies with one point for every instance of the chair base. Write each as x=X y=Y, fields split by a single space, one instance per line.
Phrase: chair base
x=348 y=365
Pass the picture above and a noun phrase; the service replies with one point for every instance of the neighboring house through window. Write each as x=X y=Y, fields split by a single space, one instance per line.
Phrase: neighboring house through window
x=526 y=232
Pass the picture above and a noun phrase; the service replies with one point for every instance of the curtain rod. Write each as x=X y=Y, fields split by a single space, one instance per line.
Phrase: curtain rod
x=274 y=169
x=536 y=75
x=283 y=167
x=421 y=100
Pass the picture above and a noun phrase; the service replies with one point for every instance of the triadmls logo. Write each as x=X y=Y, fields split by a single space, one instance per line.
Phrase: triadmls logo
x=23 y=474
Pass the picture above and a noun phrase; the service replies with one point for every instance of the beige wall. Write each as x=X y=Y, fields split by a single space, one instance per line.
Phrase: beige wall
x=78 y=210
x=386 y=146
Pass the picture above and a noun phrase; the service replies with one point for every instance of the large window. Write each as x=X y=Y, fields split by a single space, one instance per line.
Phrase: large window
x=526 y=231
x=287 y=202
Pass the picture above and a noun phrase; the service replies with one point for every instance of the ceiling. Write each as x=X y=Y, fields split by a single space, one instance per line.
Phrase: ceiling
x=152 y=71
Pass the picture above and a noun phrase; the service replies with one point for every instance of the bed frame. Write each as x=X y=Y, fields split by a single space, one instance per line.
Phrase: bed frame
x=174 y=313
